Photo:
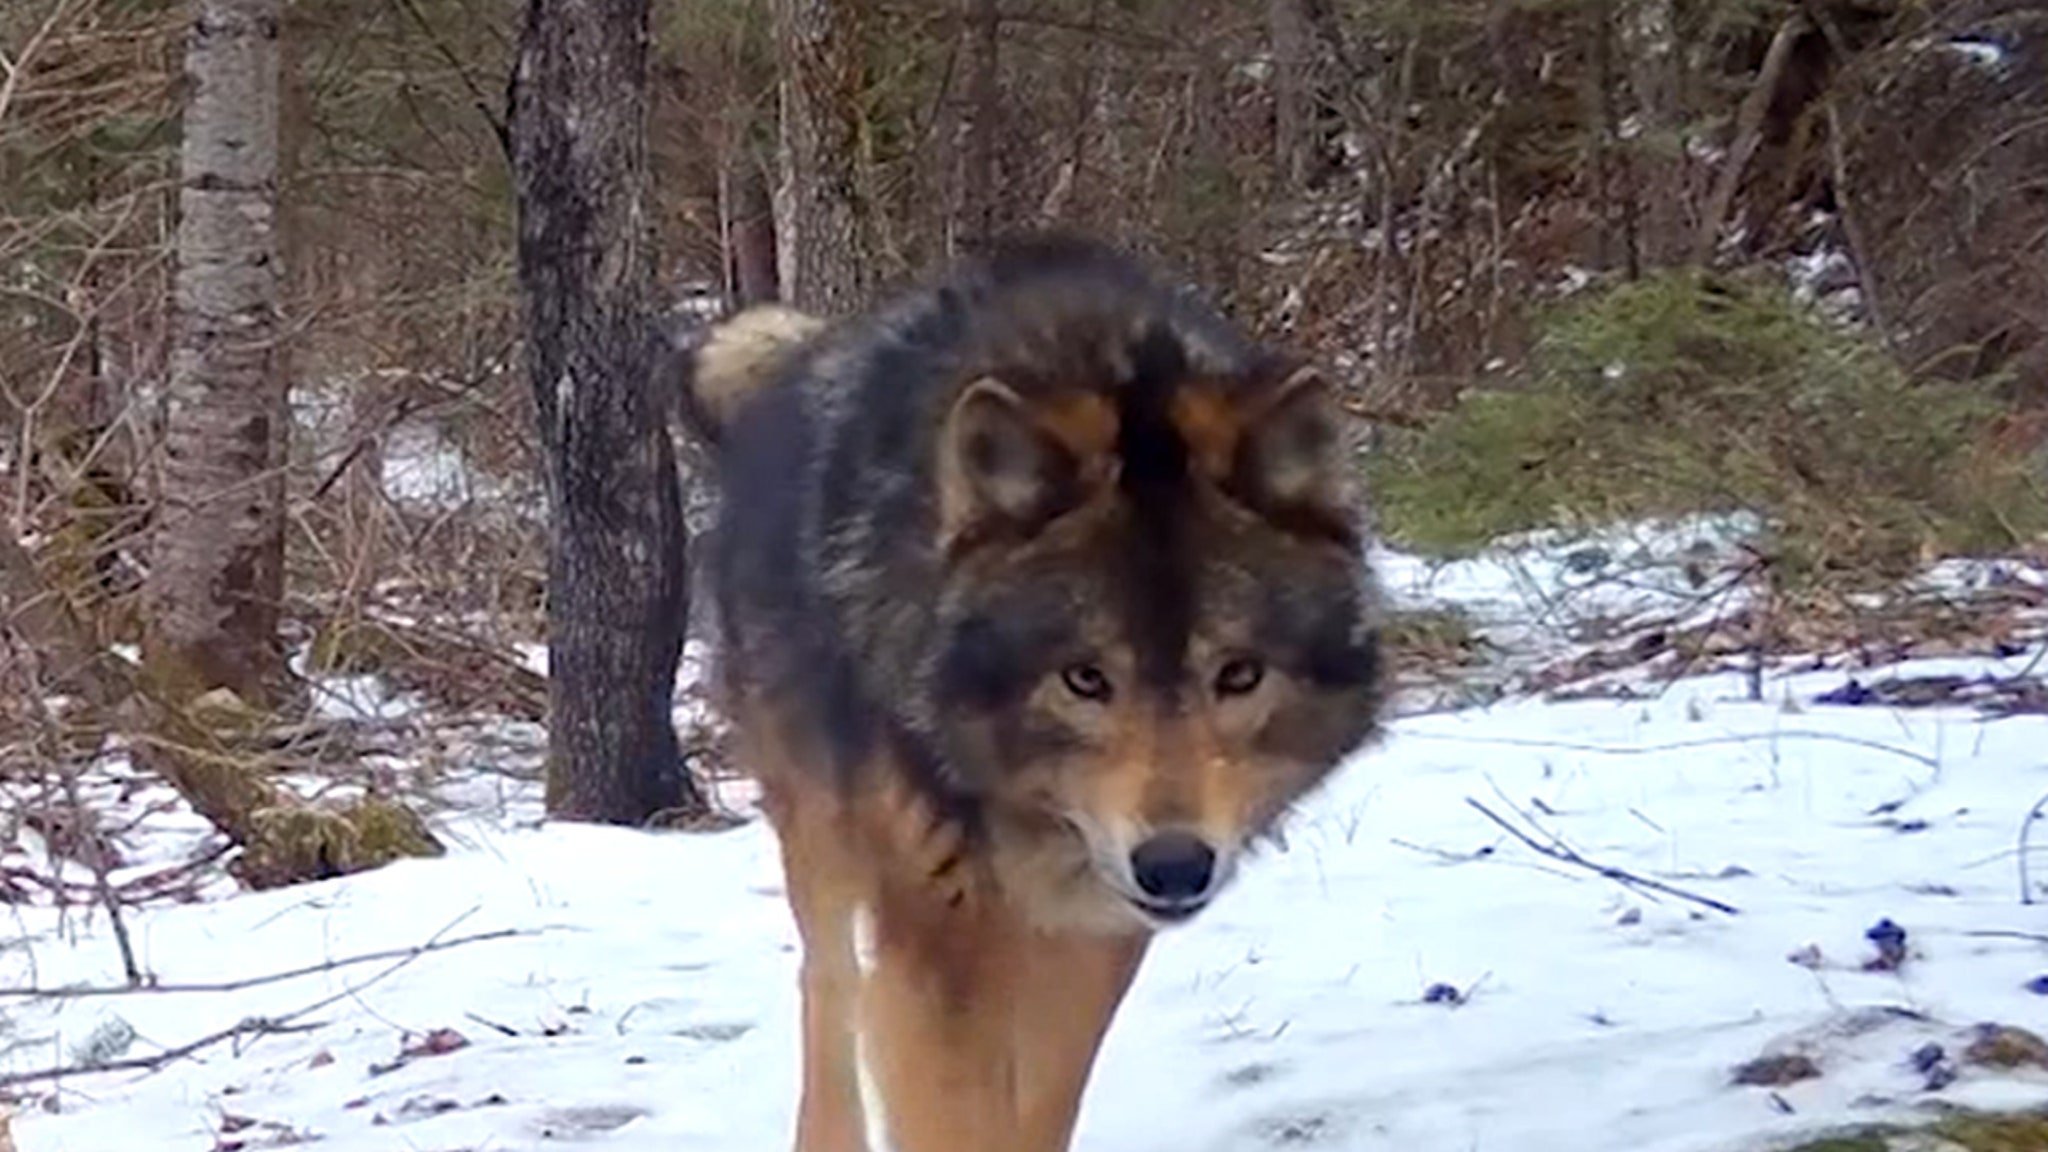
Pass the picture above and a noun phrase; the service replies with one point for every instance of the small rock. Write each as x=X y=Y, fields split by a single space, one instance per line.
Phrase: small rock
x=1926 y=1056
x=2038 y=985
x=1851 y=693
x=1776 y=1071
x=439 y=1042
x=1891 y=946
x=1442 y=994
x=1630 y=917
x=2004 y=1046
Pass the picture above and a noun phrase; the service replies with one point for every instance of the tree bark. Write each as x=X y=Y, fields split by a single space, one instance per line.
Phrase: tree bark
x=1611 y=162
x=217 y=577
x=1655 y=60
x=982 y=198
x=821 y=241
x=753 y=235
x=1287 y=26
x=618 y=595
x=1749 y=126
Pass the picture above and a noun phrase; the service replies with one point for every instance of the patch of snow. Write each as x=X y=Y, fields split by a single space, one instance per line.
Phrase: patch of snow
x=1571 y=279
x=1988 y=54
x=422 y=467
x=650 y=998
x=1822 y=271
x=1532 y=592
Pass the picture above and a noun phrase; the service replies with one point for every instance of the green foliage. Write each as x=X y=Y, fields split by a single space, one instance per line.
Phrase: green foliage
x=1687 y=393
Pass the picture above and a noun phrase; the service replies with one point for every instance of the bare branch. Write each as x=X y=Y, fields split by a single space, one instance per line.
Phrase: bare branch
x=1926 y=761
x=258 y=981
x=250 y=1026
x=1558 y=850
x=15 y=69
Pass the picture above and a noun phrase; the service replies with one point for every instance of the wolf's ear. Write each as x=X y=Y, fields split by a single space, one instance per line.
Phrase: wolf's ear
x=1290 y=460
x=1001 y=465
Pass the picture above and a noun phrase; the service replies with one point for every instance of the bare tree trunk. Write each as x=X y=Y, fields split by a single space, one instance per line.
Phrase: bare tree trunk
x=1655 y=61
x=1749 y=127
x=1287 y=25
x=1611 y=161
x=820 y=239
x=753 y=234
x=982 y=195
x=217 y=577
x=618 y=592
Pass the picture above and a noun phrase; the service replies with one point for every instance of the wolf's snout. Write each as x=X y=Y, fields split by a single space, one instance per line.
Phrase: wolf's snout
x=1174 y=867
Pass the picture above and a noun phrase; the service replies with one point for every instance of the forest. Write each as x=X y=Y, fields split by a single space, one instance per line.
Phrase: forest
x=307 y=565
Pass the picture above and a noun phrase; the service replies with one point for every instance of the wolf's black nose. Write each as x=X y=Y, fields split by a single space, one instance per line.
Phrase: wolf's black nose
x=1173 y=866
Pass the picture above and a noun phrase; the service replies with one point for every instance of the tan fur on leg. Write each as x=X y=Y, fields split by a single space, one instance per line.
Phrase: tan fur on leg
x=1064 y=1000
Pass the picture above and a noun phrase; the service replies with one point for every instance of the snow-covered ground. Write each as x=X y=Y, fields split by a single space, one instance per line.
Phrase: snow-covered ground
x=636 y=991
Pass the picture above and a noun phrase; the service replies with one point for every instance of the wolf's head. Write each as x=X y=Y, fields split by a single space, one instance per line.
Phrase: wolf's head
x=1098 y=551
x=1156 y=628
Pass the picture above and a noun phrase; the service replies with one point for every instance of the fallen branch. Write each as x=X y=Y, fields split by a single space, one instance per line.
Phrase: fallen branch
x=2007 y=934
x=1558 y=850
x=1928 y=762
x=407 y=954
x=2039 y=810
x=249 y=1026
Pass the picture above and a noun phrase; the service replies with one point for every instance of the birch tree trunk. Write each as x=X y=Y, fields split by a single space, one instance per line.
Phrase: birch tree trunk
x=618 y=595
x=217 y=575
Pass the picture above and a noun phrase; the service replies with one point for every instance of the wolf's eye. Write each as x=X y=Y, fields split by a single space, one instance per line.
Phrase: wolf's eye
x=1086 y=681
x=1239 y=676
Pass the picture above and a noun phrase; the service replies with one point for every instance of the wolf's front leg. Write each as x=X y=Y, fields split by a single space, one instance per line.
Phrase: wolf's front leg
x=1067 y=993
x=976 y=1031
x=934 y=1051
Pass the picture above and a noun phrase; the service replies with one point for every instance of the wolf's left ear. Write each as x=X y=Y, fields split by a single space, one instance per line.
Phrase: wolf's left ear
x=1290 y=462
x=1004 y=464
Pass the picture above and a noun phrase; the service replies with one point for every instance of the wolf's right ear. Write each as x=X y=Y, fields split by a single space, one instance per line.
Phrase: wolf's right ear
x=1290 y=463
x=1001 y=466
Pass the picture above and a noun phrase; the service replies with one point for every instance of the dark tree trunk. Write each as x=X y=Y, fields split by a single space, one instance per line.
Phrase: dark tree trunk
x=1287 y=26
x=618 y=595
x=821 y=242
x=753 y=236
x=982 y=200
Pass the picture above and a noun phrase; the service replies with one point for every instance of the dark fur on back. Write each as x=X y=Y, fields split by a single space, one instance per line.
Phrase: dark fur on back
x=839 y=603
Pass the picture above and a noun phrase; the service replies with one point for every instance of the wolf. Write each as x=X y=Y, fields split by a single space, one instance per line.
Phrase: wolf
x=1040 y=598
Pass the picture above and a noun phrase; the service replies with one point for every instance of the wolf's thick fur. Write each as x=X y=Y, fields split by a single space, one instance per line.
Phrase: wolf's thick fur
x=1042 y=597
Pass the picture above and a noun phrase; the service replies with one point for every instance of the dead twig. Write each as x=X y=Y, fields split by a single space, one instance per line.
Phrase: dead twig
x=2039 y=810
x=248 y=1026
x=246 y=982
x=2007 y=934
x=1681 y=745
x=1558 y=850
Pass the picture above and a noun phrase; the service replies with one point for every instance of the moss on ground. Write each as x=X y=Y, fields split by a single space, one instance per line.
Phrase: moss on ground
x=1685 y=393
x=1969 y=1132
